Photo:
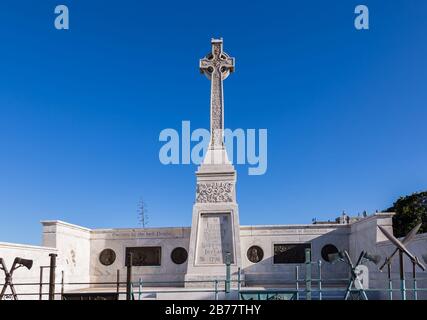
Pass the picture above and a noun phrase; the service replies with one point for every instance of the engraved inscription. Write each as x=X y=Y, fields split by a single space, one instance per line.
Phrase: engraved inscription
x=215 y=238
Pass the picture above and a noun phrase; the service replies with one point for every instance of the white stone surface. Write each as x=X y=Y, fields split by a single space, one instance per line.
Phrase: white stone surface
x=78 y=252
x=266 y=272
x=215 y=195
x=119 y=239
x=73 y=245
x=40 y=257
x=214 y=239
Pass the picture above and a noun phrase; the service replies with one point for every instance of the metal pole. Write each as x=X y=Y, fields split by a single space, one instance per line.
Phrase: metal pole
x=41 y=284
x=414 y=276
x=297 y=281
x=52 y=276
x=238 y=282
x=62 y=285
x=118 y=284
x=308 y=273
x=320 y=279
x=216 y=289
x=140 y=289
x=128 y=276
x=402 y=276
x=390 y=282
x=227 y=272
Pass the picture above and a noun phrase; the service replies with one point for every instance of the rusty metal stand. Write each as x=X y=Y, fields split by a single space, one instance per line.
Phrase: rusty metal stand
x=17 y=263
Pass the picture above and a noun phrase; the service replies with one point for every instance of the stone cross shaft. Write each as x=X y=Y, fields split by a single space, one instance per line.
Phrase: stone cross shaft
x=217 y=65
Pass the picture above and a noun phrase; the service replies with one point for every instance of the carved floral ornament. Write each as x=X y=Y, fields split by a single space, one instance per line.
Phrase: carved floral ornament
x=214 y=192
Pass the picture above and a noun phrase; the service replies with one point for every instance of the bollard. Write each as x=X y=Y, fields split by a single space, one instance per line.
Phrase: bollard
x=52 y=276
x=308 y=273
x=128 y=276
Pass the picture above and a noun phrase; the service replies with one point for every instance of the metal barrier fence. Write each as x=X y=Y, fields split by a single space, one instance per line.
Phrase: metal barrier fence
x=301 y=288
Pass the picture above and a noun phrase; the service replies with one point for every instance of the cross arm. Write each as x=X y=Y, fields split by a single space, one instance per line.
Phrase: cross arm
x=205 y=64
x=228 y=63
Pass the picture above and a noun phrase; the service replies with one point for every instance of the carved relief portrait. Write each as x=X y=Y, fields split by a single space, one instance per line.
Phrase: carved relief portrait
x=255 y=254
x=179 y=255
x=327 y=250
x=107 y=257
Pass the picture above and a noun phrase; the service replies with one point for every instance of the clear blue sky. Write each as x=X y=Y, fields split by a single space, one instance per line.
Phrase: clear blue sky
x=81 y=110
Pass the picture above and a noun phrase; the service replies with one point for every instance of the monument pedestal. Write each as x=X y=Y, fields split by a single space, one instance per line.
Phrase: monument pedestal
x=215 y=228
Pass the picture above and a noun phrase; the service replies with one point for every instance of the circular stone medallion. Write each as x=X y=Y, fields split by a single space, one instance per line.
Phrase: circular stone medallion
x=255 y=254
x=327 y=250
x=107 y=257
x=179 y=255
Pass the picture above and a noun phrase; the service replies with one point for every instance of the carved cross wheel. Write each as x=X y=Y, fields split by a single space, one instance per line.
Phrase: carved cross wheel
x=217 y=65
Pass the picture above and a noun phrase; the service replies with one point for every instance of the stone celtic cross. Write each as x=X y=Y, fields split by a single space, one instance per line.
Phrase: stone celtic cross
x=217 y=65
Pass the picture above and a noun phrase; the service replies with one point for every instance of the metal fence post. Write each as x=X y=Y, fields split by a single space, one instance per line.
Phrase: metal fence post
x=62 y=285
x=414 y=275
x=402 y=276
x=140 y=289
x=320 y=279
x=308 y=273
x=41 y=284
x=52 y=276
x=227 y=272
x=128 y=276
x=216 y=289
x=238 y=282
x=390 y=282
x=297 y=281
x=118 y=284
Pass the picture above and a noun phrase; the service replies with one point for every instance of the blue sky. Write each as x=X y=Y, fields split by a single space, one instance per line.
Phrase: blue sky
x=81 y=110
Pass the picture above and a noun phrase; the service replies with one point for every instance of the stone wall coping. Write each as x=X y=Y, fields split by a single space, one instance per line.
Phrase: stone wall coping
x=63 y=223
x=296 y=226
x=246 y=227
x=375 y=216
x=25 y=246
x=137 y=229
